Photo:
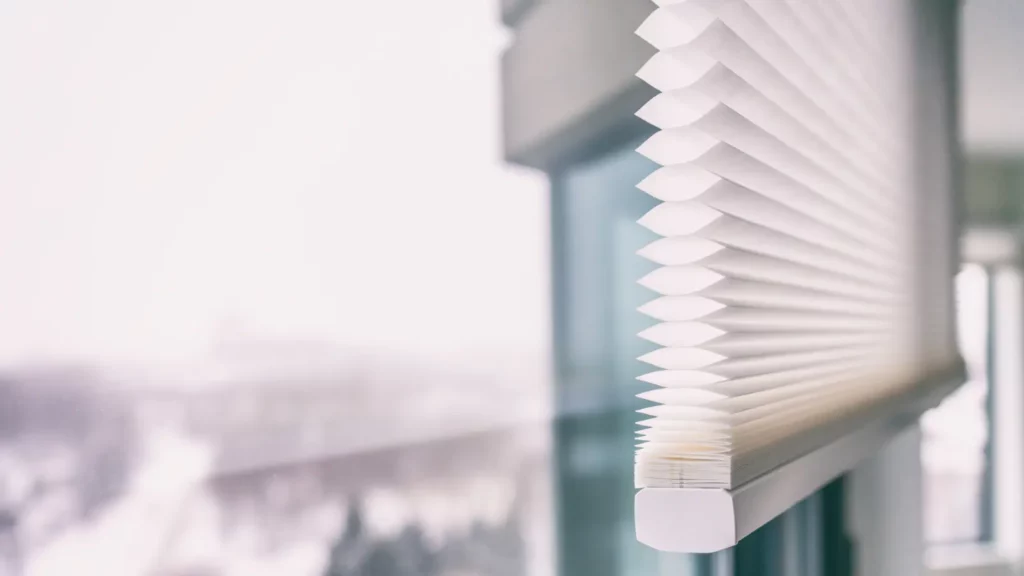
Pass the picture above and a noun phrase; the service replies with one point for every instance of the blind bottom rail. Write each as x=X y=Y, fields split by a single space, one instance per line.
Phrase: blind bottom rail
x=696 y=520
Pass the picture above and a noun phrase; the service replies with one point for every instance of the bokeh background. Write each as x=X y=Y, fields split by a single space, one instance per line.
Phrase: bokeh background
x=274 y=300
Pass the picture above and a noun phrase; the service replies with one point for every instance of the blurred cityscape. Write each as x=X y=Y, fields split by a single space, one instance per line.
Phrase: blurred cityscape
x=318 y=466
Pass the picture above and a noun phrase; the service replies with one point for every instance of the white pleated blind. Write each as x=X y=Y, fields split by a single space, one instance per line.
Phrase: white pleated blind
x=789 y=292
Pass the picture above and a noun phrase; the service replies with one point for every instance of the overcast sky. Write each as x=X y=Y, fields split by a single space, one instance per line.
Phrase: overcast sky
x=312 y=168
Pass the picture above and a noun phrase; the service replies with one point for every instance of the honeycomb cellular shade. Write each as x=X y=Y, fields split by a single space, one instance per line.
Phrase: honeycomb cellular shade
x=792 y=292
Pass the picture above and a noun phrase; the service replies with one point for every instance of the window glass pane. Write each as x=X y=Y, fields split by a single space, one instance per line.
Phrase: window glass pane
x=271 y=301
x=595 y=208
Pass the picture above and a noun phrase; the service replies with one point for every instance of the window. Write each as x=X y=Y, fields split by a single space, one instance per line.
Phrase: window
x=594 y=211
x=245 y=325
x=586 y=133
